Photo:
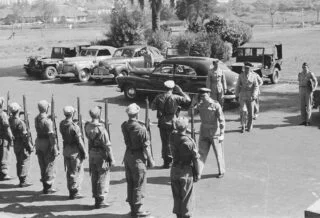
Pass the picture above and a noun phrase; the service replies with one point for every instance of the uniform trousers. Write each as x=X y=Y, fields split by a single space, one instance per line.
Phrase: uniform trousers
x=246 y=112
x=47 y=162
x=305 y=103
x=74 y=172
x=218 y=96
x=23 y=163
x=165 y=133
x=4 y=158
x=182 y=190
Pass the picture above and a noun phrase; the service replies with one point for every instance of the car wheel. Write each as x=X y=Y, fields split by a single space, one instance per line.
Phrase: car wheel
x=130 y=92
x=49 y=73
x=83 y=75
x=275 y=76
x=65 y=79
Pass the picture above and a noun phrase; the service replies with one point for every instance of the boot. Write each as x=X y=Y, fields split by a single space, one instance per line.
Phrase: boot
x=138 y=212
x=73 y=194
x=47 y=189
x=99 y=203
x=131 y=210
x=23 y=182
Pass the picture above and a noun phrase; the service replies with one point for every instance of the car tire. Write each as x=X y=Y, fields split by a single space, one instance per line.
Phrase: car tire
x=275 y=76
x=84 y=75
x=50 y=73
x=130 y=92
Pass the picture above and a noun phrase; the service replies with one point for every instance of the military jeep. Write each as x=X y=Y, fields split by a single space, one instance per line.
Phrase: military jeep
x=49 y=67
x=266 y=58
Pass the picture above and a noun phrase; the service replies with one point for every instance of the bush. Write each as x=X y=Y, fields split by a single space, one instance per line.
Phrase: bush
x=166 y=13
x=160 y=39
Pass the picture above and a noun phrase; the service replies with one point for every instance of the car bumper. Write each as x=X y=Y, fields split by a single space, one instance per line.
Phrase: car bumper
x=98 y=77
x=66 y=75
x=229 y=97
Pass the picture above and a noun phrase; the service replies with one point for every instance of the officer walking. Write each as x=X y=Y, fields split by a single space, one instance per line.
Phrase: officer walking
x=100 y=156
x=22 y=146
x=167 y=105
x=216 y=81
x=46 y=147
x=73 y=151
x=137 y=155
x=247 y=92
x=185 y=169
x=211 y=130
x=307 y=84
x=6 y=140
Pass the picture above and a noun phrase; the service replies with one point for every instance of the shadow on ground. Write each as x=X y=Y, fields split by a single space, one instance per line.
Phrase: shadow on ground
x=103 y=215
x=28 y=196
x=159 y=180
x=16 y=71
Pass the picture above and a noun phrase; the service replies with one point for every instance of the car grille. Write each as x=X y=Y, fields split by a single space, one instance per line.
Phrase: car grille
x=99 y=71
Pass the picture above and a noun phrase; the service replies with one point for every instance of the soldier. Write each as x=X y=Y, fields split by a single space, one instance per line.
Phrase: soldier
x=46 y=147
x=22 y=145
x=73 y=151
x=211 y=130
x=185 y=169
x=256 y=109
x=307 y=84
x=137 y=154
x=216 y=81
x=100 y=156
x=247 y=92
x=6 y=140
x=167 y=105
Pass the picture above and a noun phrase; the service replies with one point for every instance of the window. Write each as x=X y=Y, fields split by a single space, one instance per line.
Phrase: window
x=185 y=70
x=118 y=53
x=259 y=52
x=70 y=52
x=164 y=69
x=248 y=52
x=91 y=52
x=83 y=53
x=128 y=53
x=104 y=52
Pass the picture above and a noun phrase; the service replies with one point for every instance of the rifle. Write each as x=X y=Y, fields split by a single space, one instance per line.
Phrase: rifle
x=106 y=120
x=80 y=120
x=147 y=123
x=193 y=134
x=29 y=144
x=8 y=99
x=53 y=118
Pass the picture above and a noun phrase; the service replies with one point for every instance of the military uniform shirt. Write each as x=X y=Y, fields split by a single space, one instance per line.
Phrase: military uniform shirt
x=97 y=136
x=247 y=86
x=44 y=127
x=71 y=134
x=4 y=124
x=135 y=135
x=19 y=131
x=303 y=78
x=216 y=80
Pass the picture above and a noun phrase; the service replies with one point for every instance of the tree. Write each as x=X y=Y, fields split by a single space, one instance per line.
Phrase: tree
x=267 y=6
x=46 y=9
x=316 y=7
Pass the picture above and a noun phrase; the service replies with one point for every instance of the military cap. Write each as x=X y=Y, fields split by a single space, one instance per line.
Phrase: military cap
x=68 y=110
x=305 y=64
x=182 y=123
x=214 y=61
x=133 y=109
x=204 y=90
x=43 y=105
x=169 y=84
x=248 y=64
x=14 y=106
x=1 y=101
x=95 y=112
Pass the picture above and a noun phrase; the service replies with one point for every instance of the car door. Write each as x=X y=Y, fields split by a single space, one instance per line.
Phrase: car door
x=137 y=60
x=161 y=74
x=186 y=77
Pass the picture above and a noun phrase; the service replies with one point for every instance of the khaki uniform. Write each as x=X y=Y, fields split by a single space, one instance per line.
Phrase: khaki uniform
x=148 y=60
x=167 y=105
x=216 y=81
x=257 y=104
x=21 y=140
x=5 y=140
x=100 y=157
x=44 y=144
x=247 y=90
x=185 y=153
x=72 y=141
x=212 y=126
x=137 y=140
x=306 y=94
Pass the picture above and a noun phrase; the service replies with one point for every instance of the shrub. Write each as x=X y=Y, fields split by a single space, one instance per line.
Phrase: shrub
x=183 y=42
x=166 y=13
x=160 y=39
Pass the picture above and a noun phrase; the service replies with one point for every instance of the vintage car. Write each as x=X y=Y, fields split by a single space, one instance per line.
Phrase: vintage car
x=265 y=56
x=121 y=61
x=49 y=67
x=80 y=67
x=190 y=73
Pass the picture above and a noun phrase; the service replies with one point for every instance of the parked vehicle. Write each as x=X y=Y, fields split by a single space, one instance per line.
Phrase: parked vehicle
x=265 y=56
x=122 y=60
x=49 y=67
x=190 y=73
x=80 y=67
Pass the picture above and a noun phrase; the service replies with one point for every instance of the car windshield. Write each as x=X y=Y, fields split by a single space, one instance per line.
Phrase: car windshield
x=57 y=52
x=250 y=52
x=128 y=53
x=89 y=52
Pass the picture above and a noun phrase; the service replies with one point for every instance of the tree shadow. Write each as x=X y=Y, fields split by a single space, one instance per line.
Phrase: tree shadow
x=160 y=180
x=272 y=101
x=209 y=176
x=28 y=196
x=8 y=186
x=118 y=182
x=104 y=215
x=16 y=71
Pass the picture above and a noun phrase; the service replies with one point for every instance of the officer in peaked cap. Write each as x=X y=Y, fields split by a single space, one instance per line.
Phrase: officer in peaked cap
x=167 y=105
x=137 y=154
x=73 y=151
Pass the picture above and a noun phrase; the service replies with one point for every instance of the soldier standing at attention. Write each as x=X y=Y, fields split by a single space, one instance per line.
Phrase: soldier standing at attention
x=216 y=81
x=247 y=92
x=185 y=169
x=100 y=156
x=307 y=84
x=6 y=140
x=45 y=147
x=167 y=105
x=138 y=153
x=211 y=130
x=73 y=151
x=22 y=146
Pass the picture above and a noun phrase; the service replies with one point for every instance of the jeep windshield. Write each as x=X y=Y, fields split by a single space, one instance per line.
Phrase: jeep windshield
x=127 y=53
x=89 y=52
x=245 y=52
x=60 y=52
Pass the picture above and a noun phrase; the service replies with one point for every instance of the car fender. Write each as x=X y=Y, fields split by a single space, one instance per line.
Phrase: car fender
x=117 y=69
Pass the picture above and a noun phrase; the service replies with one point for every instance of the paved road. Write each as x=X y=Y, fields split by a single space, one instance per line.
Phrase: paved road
x=271 y=172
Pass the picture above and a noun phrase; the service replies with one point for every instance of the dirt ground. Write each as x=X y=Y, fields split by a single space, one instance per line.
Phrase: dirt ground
x=271 y=172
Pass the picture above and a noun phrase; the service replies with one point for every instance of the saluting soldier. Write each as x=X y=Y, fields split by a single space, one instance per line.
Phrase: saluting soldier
x=307 y=84
x=100 y=156
x=6 y=140
x=185 y=169
x=73 y=151
x=247 y=92
x=211 y=130
x=45 y=147
x=21 y=145
x=137 y=154
x=167 y=105
x=216 y=81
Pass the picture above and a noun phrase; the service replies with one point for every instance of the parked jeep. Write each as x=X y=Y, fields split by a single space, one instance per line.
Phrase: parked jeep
x=80 y=67
x=49 y=67
x=265 y=56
